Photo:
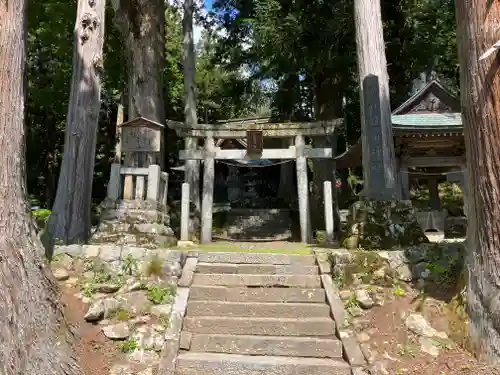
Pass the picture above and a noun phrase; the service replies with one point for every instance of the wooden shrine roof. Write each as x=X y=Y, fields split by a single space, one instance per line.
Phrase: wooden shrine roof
x=431 y=112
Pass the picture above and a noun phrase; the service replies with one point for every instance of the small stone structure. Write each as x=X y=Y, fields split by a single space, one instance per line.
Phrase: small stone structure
x=383 y=225
x=258 y=224
x=135 y=210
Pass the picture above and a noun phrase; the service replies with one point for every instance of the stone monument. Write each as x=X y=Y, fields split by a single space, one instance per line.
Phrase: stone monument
x=135 y=211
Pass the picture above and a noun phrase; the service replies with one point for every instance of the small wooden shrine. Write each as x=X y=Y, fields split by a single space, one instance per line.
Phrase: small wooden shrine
x=428 y=141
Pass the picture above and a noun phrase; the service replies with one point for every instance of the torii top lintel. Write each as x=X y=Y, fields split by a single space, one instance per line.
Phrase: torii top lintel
x=236 y=129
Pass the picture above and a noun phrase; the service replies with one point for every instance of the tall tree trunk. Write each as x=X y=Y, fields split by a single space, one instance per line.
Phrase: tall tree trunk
x=192 y=167
x=34 y=337
x=70 y=220
x=372 y=65
x=142 y=25
x=480 y=93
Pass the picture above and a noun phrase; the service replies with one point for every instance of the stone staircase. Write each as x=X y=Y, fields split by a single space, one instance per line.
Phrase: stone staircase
x=255 y=314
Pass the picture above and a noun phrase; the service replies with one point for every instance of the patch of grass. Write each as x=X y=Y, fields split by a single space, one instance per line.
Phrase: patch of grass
x=224 y=247
x=122 y=314
x=128 y=346
x=155 y=267
x=158 y=294
x=351 y=302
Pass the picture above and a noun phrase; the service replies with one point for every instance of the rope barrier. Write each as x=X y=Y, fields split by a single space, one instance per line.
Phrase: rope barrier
x=272 y=164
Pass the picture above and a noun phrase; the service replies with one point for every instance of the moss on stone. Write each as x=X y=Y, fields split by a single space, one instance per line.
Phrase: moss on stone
x=384 y=224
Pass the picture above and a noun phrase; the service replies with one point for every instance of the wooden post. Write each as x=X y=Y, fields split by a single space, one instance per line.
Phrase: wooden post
x=185 y=202
x=208 y=192
x=153 y=182
x=114 y=184
x=303 y=190
x=329 y=224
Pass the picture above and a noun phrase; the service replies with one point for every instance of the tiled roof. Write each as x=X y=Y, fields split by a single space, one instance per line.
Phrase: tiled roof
x=427 y=120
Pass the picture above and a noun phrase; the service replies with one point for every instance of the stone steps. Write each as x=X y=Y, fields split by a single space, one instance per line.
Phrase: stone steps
x=257 y=269
x=256 y=314
x=260 y=326
x=244 y=294
x=194 y=363
x=257 y=258
x=251 y=309
x=267 y=345
x=283 y=281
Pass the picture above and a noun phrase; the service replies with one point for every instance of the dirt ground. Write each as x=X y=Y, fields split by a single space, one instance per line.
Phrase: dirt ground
x=96 y=354
x=388 y=338
x=400 y=350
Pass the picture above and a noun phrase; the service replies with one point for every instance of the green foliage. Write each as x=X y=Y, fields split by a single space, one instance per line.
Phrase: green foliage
x=159 y=294
x=41 y=216
x=122 y=314
x=128 y=346
x=129 y=265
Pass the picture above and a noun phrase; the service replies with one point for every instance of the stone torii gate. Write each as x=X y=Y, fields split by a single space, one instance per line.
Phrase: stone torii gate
x=254 y=131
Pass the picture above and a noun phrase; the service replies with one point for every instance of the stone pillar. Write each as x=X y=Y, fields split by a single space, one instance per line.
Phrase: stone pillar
x=303 y=190
x=404 y=178
x=329 y=224
x=114 y=185
x=153 y=182
x=185 y=202
x=379 y=169
x=434 y=194
x=192 y=172
x=208 y=191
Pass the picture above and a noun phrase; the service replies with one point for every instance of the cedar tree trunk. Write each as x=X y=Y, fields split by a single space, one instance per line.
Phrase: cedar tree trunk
x=192 y=167
x=477 y=31
x=34 y=337
x=372 y=64
x=70 y=220
x=142 y=26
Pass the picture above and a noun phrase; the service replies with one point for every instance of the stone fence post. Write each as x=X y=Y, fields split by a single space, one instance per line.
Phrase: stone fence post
x=185 y=202
x=153 y=182
x=114 y=185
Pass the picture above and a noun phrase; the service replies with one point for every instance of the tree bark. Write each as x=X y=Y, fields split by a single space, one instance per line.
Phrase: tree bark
x=372 y=66
x=192 y=167
x=70 y=220
x=142 y=25
x=477 y=30
x=34 y=337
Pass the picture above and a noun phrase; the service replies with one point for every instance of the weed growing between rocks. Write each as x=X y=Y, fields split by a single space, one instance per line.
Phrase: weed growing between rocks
x=159 y=294
x=128 y=346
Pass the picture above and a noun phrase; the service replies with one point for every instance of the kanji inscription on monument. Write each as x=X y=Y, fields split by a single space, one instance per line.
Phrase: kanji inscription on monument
x=141 y=135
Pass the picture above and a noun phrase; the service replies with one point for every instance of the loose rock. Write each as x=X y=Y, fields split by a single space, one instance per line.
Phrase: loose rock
x=118 y=331
x=159 y=310
x=428 y=346
x=106 y=288
x=418 y=325
x=60 y=274
x=102 y=309
x=364 y=299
